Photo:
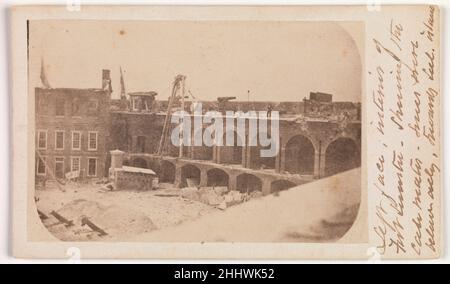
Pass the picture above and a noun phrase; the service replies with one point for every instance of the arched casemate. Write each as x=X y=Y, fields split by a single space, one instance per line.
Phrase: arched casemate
x=299 y=155
x=191 y=173
x=217 y=177
x=247 y=183
x=140 y=163
x=341 y=155
x=280 y=185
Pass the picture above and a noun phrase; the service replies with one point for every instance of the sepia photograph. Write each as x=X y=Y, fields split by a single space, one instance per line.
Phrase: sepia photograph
x=241 y=133
x=197 y=131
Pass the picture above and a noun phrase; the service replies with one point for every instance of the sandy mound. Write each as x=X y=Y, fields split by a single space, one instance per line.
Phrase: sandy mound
x=320 y=211
x=114 y=220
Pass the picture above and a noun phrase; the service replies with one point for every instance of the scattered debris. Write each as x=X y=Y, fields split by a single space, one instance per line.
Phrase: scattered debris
x=103 y=181
x=233 y=198
x=219 y=197
x=167 y=195
x=255 y=194
x=210 y=197
x=108 y=187
x=222 y=206
x=191 y=193
x=221 y=190
x=192 y=182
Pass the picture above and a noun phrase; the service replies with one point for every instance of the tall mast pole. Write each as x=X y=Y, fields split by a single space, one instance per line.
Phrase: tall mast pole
x=182 y=109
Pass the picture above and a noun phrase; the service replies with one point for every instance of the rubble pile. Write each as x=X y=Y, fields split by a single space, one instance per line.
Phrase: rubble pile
x=219 y=197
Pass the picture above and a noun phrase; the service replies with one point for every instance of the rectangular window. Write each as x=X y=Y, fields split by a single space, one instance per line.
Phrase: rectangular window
x=76 y=107
x=41 y=139
x=92 y=167
x=145 y=104
x=93 y=107
x=93 y=139
x=40 y=166
x=76 y=140
x=60 y=104
x=42 y=106
x=141 y=144
x=75 y=164
x=135 y=104
x=59 y=140
x=59 y=167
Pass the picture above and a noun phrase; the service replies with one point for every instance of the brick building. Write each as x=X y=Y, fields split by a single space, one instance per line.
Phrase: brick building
x=72 y=130
x=77 y=128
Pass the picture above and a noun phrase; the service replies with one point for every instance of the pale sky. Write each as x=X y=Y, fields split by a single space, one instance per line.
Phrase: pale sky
x=276 y=61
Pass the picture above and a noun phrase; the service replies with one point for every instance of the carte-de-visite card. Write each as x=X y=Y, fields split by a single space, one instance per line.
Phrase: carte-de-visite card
x=226 y=132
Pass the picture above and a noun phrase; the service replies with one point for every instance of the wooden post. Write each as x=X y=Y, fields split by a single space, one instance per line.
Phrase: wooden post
x=180 y=153
x=42 y=216
x=86 y=221
x=50 y=171
x=61 y=219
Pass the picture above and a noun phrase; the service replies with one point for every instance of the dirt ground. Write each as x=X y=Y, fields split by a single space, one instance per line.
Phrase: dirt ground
x=121 y=214
x=320 y=211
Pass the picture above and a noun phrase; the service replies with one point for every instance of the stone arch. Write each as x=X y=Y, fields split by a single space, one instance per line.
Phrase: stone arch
x=154 y=165
x=191 y=172
x=217 y=177
x=341 y=154
x=280 y=185
x=201 y=152
x=167 y=172
x=231 y=154
x=140 y=163
x=248 y=183
x=299 y=153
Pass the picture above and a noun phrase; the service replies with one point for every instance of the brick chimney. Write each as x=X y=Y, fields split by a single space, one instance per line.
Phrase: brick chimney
x=106 y=80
